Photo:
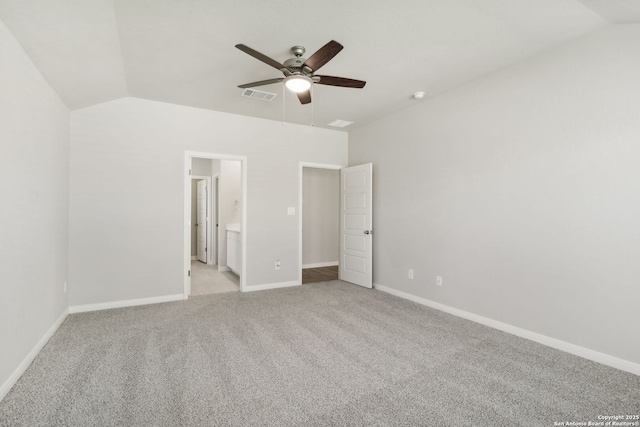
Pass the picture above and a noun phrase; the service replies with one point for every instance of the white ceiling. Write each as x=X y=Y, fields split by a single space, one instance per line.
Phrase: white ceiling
x=182 y=51
x=616 y=11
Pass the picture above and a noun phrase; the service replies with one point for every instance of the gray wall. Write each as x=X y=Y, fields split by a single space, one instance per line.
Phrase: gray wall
x=522 y=190
x=127 y=185
x=202 y=167
x=230 y=203
x=320 y=216
x=34 y=180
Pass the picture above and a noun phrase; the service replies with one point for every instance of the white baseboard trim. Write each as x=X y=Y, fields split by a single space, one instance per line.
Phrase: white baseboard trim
x=15 y=376
x=321 y=264
x=125 y=303
x=605 y=359
x=223 y=268
x=272 y=286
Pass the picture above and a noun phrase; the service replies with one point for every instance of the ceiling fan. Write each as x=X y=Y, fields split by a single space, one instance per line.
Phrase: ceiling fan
x=299 y=73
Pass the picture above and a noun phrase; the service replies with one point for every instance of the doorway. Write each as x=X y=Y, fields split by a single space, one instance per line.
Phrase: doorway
x=320 y=223
x=205 y=275
x=202 y=217
x=215 y=209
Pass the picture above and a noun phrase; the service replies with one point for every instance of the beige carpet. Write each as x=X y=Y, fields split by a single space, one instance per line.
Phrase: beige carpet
x=326 y=354
x=206 y=279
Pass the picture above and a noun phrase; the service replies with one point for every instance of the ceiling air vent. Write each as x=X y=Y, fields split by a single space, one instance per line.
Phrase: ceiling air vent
x=258 y=94
x=340 y=123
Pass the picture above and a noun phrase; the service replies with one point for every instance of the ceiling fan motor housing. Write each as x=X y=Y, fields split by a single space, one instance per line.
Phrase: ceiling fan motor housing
x=294 y=64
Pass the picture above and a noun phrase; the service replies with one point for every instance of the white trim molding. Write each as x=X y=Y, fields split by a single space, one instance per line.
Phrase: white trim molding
x=605 y=359
x=125 y=303
x=321 y=264
x=276 y=285
x=15 y=376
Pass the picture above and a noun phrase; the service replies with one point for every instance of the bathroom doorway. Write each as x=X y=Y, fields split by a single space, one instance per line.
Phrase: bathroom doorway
x=215 y=213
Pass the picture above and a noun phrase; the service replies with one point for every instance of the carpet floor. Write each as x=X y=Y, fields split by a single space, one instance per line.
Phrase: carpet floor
x=327 y=354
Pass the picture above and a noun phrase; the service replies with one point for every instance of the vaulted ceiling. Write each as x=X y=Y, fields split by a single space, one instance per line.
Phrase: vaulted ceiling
x=182 y=51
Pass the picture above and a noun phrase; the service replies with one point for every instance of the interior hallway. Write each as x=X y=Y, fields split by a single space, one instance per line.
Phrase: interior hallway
x=320 y=274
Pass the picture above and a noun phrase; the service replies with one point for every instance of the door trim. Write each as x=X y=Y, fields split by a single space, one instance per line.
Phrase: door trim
x=214 y=215
x=188 y=155
x=301 y=167
x=209 y=194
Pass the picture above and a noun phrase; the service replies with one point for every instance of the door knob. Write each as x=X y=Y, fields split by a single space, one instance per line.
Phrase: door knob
x=368 y=231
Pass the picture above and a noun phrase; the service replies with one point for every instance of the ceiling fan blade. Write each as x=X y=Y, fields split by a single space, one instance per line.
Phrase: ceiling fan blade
x=323 y=55
x=340 y=81
x=260 y=57
x=261 y=83
x=304 y=97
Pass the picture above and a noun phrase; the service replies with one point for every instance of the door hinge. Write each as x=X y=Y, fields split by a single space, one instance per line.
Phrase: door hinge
x=189 y=273
x=189 y=171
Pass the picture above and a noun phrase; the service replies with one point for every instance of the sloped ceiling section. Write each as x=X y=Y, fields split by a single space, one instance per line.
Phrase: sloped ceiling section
x=74 y=44
x=616 y=11
x=182 y=52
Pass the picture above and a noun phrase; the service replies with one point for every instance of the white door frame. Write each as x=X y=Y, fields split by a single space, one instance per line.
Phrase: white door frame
x=214 y=218
x=209 y=193
x=188 y=156
x=303 y=165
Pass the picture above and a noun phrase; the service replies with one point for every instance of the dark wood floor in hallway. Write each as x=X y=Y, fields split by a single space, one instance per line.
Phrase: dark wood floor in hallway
x=320 y=274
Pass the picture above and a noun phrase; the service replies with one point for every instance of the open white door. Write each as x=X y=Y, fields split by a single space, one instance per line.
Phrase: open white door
x=201 y=218
x=355 y=225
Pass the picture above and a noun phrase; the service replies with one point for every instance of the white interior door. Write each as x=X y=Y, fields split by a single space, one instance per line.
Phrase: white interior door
x=201 y=221
x=214 y=222
x=356 y=244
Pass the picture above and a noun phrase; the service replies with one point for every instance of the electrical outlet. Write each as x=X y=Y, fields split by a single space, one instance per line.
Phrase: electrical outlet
x=410 y=274
x=64 y=286
x=439 y=280
x=277 y=264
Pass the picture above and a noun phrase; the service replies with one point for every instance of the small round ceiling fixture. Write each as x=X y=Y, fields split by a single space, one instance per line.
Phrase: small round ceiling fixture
x=298 y=83
x=418 y=95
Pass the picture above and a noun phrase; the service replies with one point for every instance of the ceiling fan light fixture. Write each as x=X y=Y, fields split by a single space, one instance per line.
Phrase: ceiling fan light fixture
x=298 y=83
x=299 y=73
